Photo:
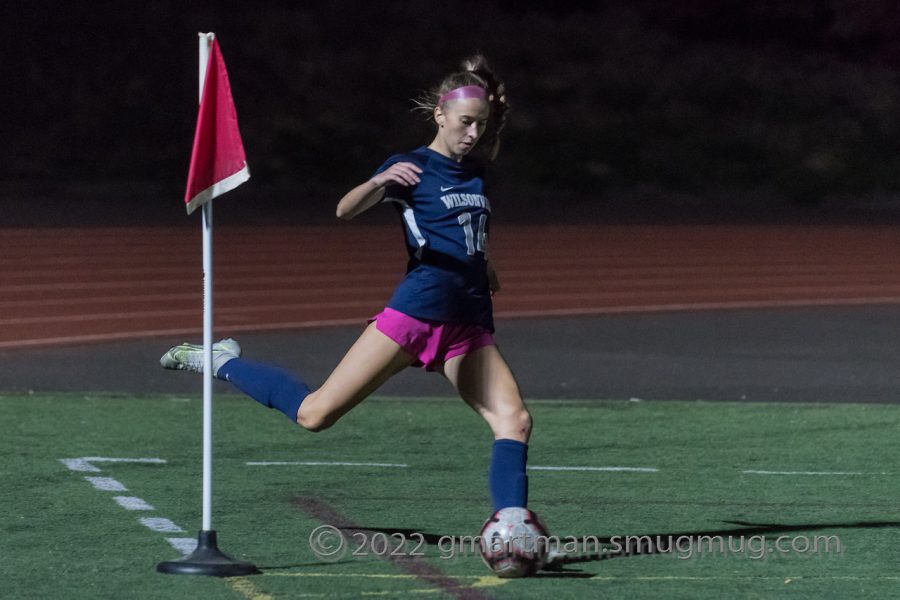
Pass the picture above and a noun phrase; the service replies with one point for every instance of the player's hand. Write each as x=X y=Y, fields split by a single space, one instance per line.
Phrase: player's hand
x=403 y=173
x=493 y=280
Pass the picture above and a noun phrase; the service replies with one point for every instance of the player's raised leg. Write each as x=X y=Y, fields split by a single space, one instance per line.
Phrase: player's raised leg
x=485 y=382
x=373 y=359
x=269 y=385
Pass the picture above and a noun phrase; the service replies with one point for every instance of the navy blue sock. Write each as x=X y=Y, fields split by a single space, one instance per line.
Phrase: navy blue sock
x=268 y=385
x=506 y=476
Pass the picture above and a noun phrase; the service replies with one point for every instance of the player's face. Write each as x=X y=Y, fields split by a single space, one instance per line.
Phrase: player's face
x=462 y=123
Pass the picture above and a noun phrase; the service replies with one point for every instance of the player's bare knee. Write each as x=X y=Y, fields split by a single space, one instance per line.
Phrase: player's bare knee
x=315 y=421
x=515 y=425
x=519 y=425
x=525 y=423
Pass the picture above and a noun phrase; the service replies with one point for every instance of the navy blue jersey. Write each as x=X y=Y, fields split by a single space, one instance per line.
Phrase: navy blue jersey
x=446 y=218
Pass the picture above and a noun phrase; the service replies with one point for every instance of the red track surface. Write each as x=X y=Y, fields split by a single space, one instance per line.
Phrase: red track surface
x=83 y=285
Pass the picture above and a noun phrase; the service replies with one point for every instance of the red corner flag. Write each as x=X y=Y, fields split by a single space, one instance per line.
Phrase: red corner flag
x=218 y=161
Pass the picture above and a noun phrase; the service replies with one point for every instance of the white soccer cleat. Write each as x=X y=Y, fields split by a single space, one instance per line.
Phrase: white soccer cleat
x=189 y=357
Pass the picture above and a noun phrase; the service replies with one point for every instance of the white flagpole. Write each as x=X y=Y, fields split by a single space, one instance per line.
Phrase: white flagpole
x=206 y=40
x=207 y=559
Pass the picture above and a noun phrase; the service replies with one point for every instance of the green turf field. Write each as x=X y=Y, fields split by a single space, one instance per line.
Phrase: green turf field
x=825 y=474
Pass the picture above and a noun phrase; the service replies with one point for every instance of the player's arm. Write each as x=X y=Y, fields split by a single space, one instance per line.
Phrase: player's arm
x=359 y=199
x=368 y=194
x=493 y=281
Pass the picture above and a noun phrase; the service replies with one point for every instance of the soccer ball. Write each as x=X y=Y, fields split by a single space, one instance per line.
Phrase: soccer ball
x=514 y=542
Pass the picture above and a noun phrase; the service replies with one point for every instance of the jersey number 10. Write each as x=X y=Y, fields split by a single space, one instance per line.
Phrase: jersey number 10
x=474 y=243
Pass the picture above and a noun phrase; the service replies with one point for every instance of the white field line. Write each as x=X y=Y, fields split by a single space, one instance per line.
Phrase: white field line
x=79 y=464
x=154 y=461
x=622 y=469
x=84 y=463
x=183 y=545
x=757 y=472
x=311 y=463
x=132 y=503
x=585 y=468
x=405 y=466
x=158 y=524
x=106 y=484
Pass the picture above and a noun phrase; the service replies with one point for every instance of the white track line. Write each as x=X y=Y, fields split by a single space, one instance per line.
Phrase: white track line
x=688 y=306
x=221 y=296
x=279 y=282
x=131 y=335
x=147 y=314
x=501 y=314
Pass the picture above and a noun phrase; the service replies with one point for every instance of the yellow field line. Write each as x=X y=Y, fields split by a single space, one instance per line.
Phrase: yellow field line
x=479 y=580
x=245 y=586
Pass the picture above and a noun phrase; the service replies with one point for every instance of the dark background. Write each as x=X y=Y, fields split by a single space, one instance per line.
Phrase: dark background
x=639 y=110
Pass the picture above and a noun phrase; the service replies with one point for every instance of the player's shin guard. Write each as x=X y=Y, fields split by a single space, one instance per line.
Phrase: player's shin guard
x=270 y=386
x=506 y=476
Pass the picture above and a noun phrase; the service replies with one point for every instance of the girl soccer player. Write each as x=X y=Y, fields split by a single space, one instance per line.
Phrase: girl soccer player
x=440 y=316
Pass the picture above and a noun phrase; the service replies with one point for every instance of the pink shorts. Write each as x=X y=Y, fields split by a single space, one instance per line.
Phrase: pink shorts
x=431 y=343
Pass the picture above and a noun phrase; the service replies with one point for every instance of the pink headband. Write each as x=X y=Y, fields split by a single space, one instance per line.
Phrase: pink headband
x=460 y=93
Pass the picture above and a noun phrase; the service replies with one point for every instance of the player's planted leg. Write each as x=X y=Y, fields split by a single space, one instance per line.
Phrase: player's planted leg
x=507 y=480
x=485 y=382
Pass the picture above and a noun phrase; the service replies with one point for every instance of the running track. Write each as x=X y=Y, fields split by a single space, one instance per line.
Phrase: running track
x=73 y=286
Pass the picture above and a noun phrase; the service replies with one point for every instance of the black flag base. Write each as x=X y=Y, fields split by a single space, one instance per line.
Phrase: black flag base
x=207 y=560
